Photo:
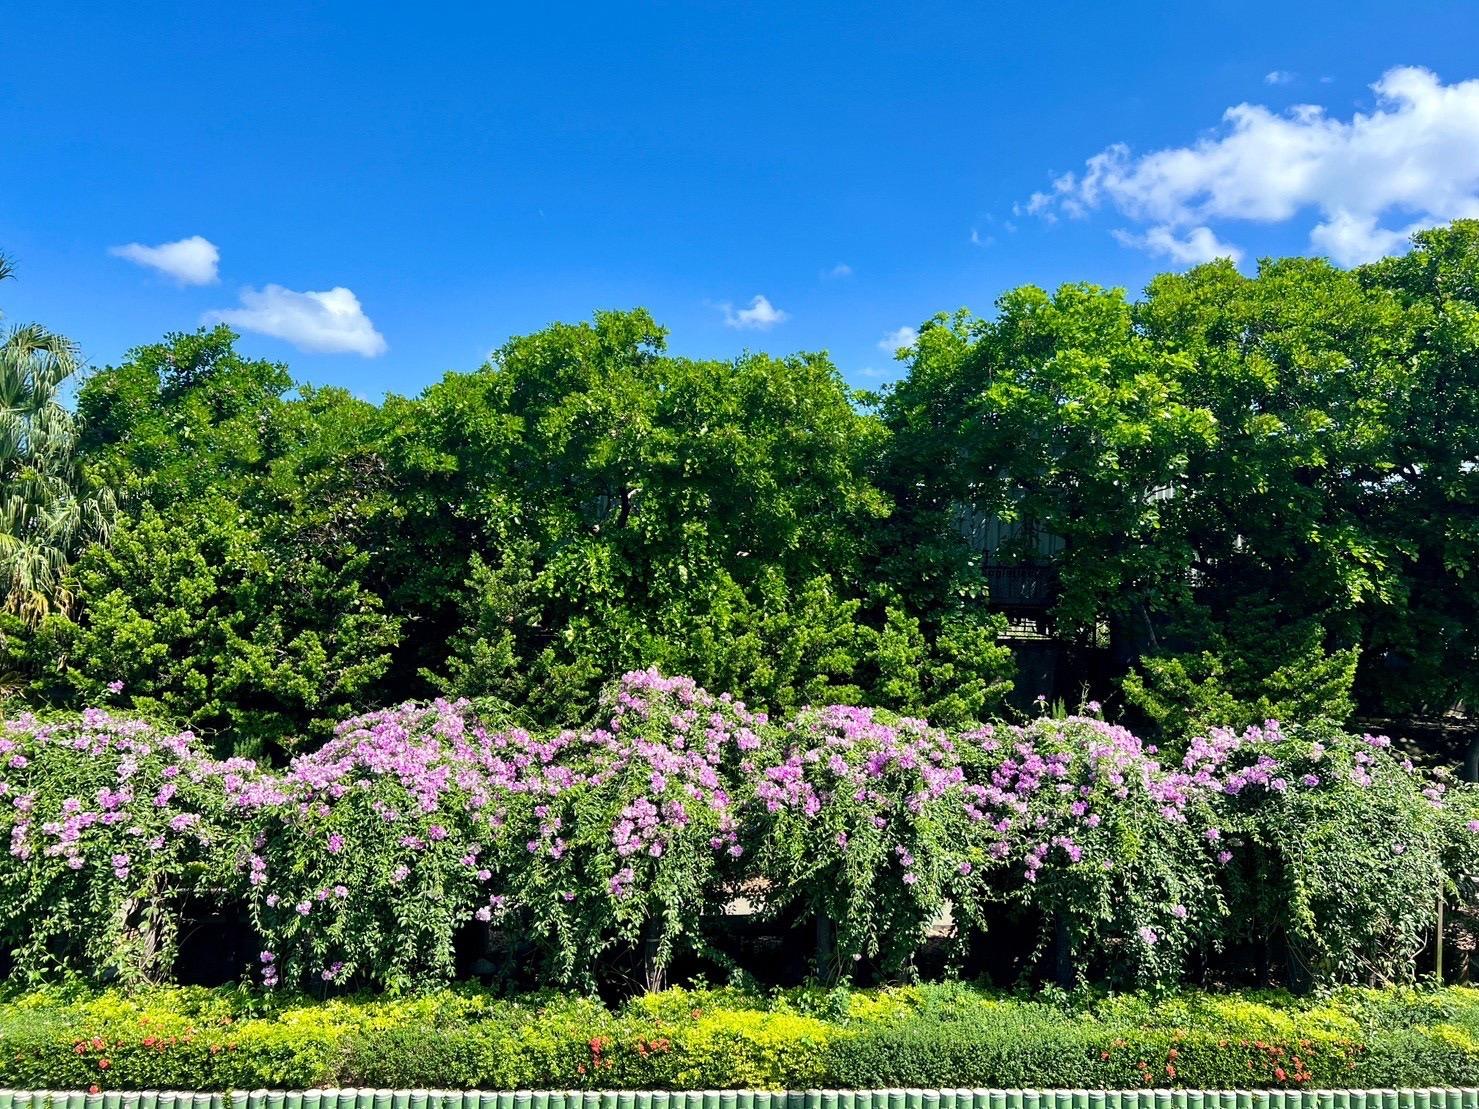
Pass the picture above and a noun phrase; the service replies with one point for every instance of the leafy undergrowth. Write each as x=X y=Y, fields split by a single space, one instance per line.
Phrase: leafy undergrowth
x=944 y=1035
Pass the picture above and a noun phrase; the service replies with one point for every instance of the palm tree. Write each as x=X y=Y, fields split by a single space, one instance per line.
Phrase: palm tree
x=46 y=510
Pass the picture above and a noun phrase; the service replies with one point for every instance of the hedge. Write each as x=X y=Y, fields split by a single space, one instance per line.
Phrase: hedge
x=980 y=1098
x=944 y=1036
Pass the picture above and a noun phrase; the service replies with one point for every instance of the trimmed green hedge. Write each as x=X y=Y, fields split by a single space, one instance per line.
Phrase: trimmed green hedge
x=920 y=1036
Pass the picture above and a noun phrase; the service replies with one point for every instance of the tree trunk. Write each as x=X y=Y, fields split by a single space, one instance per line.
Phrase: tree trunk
x=654 y=974
x=1062 y=953
x=827 y=970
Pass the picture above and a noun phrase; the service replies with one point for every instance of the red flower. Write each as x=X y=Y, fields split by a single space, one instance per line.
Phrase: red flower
x=104 y=1064
x=1279 y=1073
x=93 y=1089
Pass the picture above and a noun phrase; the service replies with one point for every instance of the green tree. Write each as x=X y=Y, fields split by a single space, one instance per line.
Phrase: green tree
x=237 y=598
x=1302 y=368
x=610 y=506
x=1056 y=416
x=47 y=505
x=1422 y=652
x=1211 y=458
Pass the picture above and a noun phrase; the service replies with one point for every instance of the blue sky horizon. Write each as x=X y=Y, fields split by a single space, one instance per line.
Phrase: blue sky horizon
x=376 y=196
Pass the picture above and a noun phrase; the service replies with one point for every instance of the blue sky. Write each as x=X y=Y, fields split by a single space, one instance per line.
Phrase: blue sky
x=469 y=172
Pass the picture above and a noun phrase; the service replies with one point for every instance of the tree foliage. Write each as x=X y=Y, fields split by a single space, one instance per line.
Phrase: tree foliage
x=47 y=505
x=1258 y=489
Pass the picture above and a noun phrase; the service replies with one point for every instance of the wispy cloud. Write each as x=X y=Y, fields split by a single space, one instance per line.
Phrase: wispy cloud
x=192 y=261
x=898 y=339
x=1370 y=181
x=841 y=269
x=1279 y=77
x=761 y=315
x=330 y=322
x=1197 y=245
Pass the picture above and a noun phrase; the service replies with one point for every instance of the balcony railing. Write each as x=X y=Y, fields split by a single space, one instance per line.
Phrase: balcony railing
x=1022 y=587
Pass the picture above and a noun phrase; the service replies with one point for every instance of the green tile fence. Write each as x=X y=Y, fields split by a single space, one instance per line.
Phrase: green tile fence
x=1437 y=1098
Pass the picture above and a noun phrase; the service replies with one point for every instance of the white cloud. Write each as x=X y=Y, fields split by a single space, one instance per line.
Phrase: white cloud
x=1411 y=162
x=1278 y=77
x=330 y=322
x=761 y=315
x=898 y=338
x=977 y=239
x=841 y=269
x=192 y=261
x=1197 y=245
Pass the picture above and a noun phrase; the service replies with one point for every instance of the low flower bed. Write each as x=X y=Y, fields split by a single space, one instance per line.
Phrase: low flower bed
x=1426 y=1098
x=947 y=1037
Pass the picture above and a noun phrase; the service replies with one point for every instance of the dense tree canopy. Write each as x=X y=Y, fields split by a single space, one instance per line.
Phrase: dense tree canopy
x=1259 y=491
x=1265 y=484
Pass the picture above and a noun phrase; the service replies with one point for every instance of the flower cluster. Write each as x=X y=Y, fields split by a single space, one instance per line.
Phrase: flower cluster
x=869 y=823
x=363 y=861
x=1108 y=841
x=104 y=817
x=637 y=834
x=367 y=855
